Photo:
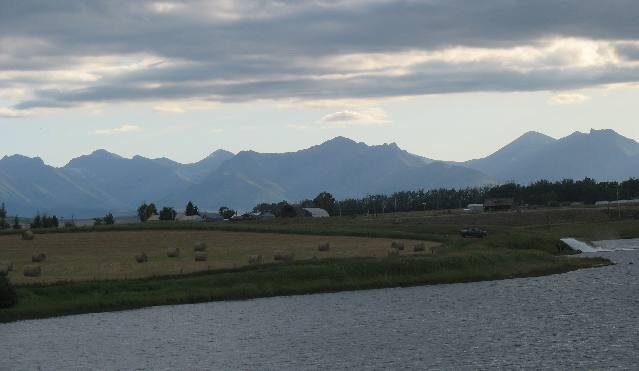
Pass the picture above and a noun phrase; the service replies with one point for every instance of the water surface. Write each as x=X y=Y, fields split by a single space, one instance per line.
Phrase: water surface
x=583 y=320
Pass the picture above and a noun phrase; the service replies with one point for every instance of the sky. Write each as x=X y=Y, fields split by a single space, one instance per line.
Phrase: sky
x=450 y=80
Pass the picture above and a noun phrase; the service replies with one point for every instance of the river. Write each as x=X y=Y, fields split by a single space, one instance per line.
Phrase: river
x=587 y=319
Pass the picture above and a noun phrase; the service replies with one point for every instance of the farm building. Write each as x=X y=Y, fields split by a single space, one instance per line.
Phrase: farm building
x=153 y=218
x=315 y=212
x=499 y=204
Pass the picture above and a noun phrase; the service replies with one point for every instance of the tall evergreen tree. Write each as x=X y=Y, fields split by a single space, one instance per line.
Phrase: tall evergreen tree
x=191 y=209
x=167 y=214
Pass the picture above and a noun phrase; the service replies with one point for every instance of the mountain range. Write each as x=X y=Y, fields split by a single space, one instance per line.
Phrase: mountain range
x=93 y=184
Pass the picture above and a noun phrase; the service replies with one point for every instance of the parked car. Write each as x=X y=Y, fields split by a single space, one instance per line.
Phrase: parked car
x=473 y=232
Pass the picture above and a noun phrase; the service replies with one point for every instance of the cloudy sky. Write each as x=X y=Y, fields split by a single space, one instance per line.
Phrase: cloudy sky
x=445 y=79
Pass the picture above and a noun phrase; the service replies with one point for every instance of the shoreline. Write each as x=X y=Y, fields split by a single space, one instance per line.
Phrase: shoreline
x=38 y=301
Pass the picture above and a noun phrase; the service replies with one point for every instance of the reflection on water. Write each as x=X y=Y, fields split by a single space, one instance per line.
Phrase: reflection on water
x=579 y=320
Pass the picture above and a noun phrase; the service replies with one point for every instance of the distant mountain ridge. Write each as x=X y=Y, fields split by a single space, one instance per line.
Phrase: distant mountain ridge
x=599 y=154
x=342 y=166
x=93 y=184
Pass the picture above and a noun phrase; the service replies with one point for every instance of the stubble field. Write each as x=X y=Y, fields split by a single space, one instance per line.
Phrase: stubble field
x=110 y=255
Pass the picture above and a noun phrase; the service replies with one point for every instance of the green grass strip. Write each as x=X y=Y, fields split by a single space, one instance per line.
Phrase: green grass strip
x=303 y=277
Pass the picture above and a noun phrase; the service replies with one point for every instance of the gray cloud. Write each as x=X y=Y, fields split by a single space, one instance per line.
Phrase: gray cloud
x=630 y=52
x=278 y=49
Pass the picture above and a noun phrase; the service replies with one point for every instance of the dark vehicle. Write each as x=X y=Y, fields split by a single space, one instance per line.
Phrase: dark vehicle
x=473 y=232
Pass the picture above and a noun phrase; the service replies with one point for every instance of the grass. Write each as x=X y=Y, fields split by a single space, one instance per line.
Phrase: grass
x=303 y=277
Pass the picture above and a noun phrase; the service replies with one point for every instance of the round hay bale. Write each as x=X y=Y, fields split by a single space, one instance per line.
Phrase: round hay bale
x=173 y=252
x=393 y=252
x=32 y=271
x=397 y=245
x=7 y=264
x=287 y=257
x=38 y=258
x=419 y=247
x=324 y=246
x=199 y=246
x=142 y=258
x=255 y=259
x=201 y=256
x=27 y=235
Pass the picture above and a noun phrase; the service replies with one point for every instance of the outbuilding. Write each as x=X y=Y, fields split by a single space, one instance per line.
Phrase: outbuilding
x=315 y=212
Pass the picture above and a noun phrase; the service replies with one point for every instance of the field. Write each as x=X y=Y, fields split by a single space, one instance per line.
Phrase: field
x=92 y=269
x=110 y=254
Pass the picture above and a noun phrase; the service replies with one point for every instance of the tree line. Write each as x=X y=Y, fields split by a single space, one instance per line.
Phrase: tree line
x=167 y=213
x=542 y=193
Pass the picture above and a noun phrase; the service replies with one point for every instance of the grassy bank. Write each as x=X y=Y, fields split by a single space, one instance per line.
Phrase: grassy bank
x=303 y=277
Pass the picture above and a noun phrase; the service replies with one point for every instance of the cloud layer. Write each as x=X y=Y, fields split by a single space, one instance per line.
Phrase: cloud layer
x=76 y=53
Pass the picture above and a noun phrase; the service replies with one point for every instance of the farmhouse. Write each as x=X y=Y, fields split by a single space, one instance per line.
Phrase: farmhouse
x=315 y=212
x=499 y=204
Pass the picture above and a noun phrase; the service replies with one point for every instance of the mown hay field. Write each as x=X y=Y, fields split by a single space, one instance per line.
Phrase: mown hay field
x=110 y=255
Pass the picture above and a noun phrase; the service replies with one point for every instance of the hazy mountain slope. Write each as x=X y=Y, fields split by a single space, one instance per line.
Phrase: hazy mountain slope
x=341 y=166
x=502 y=163
x=28 y=186
x=599 y=154
x=130 y=181
x=197 y=171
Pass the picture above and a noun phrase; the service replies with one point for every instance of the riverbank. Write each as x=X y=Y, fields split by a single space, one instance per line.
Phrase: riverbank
x=302 y=277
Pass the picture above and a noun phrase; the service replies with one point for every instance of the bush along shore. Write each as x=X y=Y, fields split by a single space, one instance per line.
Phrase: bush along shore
x=291 y=278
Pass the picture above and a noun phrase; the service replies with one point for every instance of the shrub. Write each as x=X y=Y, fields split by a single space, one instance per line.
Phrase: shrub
x=8 y=297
